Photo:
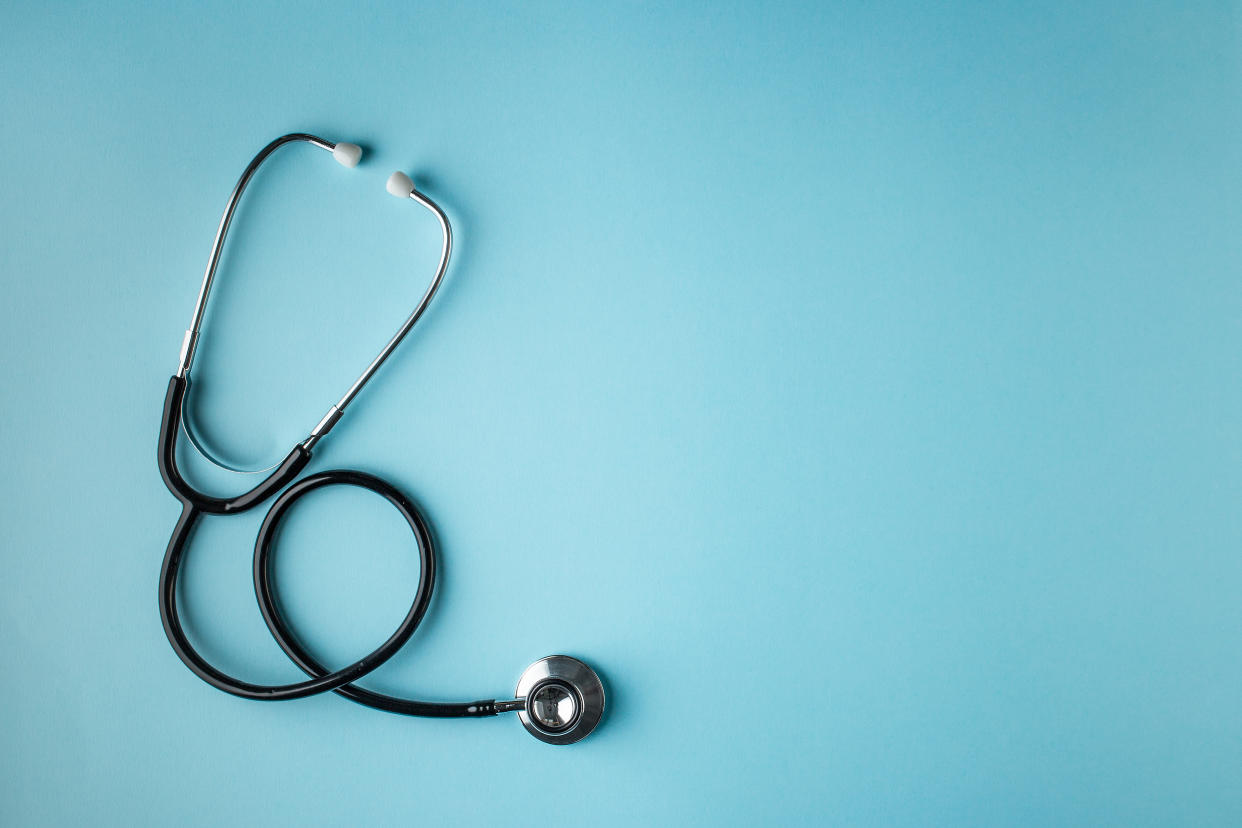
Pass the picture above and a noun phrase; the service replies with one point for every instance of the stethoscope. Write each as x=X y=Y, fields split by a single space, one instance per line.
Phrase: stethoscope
x=558 y=699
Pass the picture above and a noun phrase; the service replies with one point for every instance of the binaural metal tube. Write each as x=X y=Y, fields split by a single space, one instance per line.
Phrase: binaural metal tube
x=348 y=155
x=190 y=343
x=334 y=413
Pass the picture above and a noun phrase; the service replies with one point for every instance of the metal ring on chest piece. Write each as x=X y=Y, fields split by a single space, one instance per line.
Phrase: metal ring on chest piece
x=564 y=699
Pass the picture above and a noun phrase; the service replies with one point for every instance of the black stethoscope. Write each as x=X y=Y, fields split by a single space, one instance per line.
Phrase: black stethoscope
x=558 y=699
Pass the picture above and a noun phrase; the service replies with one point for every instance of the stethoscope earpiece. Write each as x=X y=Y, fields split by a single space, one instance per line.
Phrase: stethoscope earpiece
x=562 y=700
x=346 y=154
x=400 y=185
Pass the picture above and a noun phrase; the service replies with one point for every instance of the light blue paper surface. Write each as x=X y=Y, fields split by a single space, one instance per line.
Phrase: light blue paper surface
x=858 y=386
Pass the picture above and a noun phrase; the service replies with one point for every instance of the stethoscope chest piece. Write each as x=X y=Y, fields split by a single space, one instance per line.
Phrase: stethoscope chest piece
x=564 y=700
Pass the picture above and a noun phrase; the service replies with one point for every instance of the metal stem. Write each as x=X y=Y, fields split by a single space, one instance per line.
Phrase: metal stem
x=510 y=706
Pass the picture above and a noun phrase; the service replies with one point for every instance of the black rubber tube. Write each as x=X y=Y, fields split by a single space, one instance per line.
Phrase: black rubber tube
x=269 y=604
x=166 y=456
x=195 y=504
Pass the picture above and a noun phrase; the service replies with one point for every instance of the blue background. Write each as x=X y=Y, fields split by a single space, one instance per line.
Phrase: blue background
x=856 y=385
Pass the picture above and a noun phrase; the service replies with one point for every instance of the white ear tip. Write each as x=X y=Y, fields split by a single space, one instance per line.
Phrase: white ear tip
x=400 y=185
x=347 y=155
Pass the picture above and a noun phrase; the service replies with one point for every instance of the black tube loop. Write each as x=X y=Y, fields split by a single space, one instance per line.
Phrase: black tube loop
x=187 y=494
x=195 y=504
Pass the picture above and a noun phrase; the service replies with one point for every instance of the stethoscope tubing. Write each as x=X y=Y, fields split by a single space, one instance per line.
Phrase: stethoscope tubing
x=194 y=505
x=265 y=592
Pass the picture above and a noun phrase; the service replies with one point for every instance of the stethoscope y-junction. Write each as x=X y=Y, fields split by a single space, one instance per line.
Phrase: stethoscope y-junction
x=558 y=699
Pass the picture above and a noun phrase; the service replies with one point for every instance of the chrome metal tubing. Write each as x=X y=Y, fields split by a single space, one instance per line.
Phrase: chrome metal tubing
x=190 y=343
x=334 y=414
